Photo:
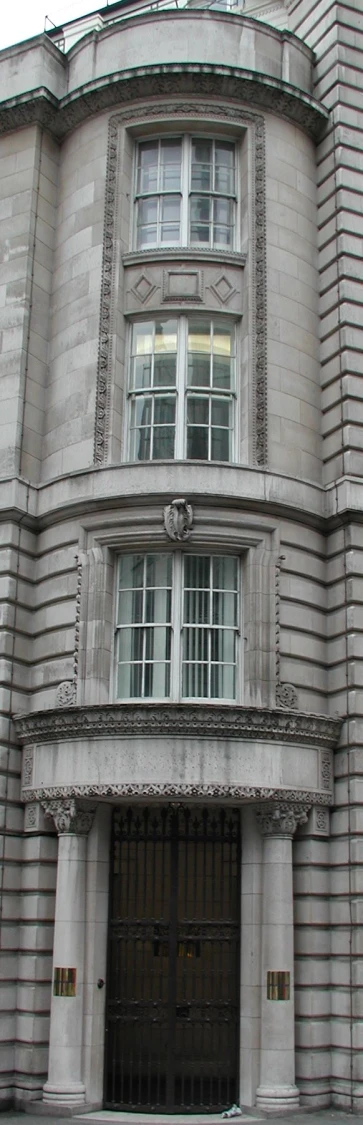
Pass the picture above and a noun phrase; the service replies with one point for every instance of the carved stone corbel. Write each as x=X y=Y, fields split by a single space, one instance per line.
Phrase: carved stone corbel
x=178 y=519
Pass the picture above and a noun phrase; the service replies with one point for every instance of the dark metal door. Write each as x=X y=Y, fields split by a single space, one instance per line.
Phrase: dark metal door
x=173 y=981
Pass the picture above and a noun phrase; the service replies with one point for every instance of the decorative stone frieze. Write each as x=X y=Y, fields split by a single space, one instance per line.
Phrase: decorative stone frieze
x=203 y=720
x=28 y=765
x=248 y=794
x=69 y=817
x=178 y=519
x=281 y=819
x=326 y=769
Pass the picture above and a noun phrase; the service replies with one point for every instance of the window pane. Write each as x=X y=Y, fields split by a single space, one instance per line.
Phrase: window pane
x=165 y=336
x=202 y=155
x=220 y=412
x=131 y=571
x=164 y=413
x=165 y=371
x=170 y=160
x=224 y=608
x=157 y=646
x=148 y=167
x=198 y=411
x=220 y=445
x=223 y=681
x=163 y=444
x=223 y=212
x=129 y=680
x=140 y=444
x=197 y=572
x=157 y=681
x=141 y=372
x=224 y=572
x=158 y=570
x=142 y=338
x=195 y=681
x=224 y=168
x=197 y=444
x=199 y=370
x=130 y=606
x=157 y=605
x=200 y=209
x=196 y=606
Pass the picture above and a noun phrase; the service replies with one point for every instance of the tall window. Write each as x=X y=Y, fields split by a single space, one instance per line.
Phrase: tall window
x=185 y=193
x=177 y=627
x=182 y=390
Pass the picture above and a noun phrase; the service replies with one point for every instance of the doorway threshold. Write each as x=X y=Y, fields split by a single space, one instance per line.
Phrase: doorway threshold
x=104 y=1116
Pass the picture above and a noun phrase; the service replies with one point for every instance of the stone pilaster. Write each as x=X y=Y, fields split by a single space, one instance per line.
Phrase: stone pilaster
x=73 y=822
x=277 y=1089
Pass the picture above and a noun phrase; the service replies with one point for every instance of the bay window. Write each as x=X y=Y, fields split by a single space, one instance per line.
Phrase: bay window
x=185 y=193
x=182 y=389
x=177 y=626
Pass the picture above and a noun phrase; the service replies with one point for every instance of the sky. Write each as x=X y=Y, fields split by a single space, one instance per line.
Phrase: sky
x=24 y=18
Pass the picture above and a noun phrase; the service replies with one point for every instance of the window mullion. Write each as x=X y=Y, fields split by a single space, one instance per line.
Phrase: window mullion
x=177 y=619
x=180 y=451
x=143 y=672
x=185 y=180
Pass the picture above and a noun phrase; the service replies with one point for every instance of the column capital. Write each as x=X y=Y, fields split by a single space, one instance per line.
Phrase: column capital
x=70 y=817
x=275 y=819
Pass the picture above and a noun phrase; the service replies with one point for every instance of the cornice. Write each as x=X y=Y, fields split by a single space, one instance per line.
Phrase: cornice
x=145 y=720
x=182 y=254
x=127 y=486
x=59 y=116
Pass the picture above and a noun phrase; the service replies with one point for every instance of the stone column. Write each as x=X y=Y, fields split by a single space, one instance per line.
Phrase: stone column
x=277 y=1089
x=65 y=1085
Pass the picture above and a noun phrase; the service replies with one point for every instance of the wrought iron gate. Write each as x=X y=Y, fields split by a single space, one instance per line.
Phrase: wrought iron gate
x=173 y=995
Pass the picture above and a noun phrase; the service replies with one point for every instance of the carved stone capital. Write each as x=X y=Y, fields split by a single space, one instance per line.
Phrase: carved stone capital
x=280 y=819
x=70 y=818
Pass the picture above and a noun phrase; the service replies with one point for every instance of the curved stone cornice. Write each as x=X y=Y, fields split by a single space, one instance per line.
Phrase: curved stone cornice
x=174 y=719
x=59 y=116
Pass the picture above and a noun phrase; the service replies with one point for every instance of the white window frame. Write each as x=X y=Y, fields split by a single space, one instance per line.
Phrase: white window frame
x=183 y=391
x=177 y=629
x=186 y=193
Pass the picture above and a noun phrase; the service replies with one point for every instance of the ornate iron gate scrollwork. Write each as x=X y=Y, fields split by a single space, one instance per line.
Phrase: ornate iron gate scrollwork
x=173 y=981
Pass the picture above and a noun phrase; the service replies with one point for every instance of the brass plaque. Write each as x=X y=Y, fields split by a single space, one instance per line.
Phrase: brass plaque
x=278 y=985
x=64 y=982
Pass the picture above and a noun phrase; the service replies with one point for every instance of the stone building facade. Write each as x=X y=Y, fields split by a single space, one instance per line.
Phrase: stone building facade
x=181 y=461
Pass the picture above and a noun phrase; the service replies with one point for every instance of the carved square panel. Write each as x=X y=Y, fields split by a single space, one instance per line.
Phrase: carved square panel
x=182 y=285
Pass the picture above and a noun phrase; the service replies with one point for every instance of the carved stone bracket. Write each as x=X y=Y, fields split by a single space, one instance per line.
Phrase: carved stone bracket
x=70 y=817
x=281 y=819
x=178 y=519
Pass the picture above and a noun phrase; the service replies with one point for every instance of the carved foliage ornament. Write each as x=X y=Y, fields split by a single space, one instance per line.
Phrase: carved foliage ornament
x=70 y=817
x=178 y=519
x=281 y=819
